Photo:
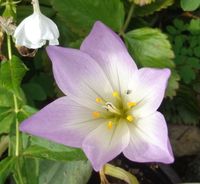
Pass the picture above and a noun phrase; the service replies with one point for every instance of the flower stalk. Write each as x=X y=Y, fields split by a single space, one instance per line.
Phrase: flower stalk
x=36 y=6
x=120 y=173
x=128 y=19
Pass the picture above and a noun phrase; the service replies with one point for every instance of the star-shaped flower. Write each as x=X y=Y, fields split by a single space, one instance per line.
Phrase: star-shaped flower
x=110 y=107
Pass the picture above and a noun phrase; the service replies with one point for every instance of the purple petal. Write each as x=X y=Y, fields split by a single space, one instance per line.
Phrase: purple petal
x=77 y=74
x=104 y=144
x=148 y=90
x=62 y=121
x=109 y=51
x=149 y=140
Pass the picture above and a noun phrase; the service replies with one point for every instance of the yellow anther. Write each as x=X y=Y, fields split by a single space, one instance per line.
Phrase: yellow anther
x=96 y=114
x=115 y=94
x=110 y=124
x=131 y=104
x=98 y=100
x=130 y=118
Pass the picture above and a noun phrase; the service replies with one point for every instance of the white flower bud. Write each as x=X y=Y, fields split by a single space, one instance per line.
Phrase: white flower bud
x=34 y=31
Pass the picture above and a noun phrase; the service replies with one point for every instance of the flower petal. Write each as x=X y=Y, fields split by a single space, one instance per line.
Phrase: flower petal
x=109 y=51
x=104 y=144
x=148 y=90
x=149 y=140
x=77 y=74
x=43 y=27
x=63 y=121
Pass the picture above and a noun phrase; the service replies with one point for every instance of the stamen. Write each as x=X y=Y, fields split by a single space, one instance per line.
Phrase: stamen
x=115 y=94
x=96 y=114
x=130 y=118
x=131 y=104
x=99 y=100
x=110 y=124
x=110 y=107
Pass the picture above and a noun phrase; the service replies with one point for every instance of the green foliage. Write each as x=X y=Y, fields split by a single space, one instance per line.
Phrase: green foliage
x=153 y=7
x=6 y=166
x=11 y=75
x=75 y=172
x=187 y=5
x=80 y=15
x=185 y=40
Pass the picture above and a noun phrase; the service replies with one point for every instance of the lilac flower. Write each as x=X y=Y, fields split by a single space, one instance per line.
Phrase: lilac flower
x=110 y=105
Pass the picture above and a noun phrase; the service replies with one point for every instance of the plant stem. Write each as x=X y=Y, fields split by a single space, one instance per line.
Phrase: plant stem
x=16 y=110
x=128 y=19
x=17 y=125
x=9 y=47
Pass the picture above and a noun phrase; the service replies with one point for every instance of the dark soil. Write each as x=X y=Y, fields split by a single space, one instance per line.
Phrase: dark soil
x=150 y=173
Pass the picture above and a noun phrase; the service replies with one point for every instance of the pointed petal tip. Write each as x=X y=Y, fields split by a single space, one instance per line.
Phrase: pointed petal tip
x=167 y=72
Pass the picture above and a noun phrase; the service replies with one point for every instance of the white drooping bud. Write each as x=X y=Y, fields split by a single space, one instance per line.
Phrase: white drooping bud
x=35 y=30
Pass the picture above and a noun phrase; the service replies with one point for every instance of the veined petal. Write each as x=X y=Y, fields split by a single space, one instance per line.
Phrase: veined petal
x=104 y=144
x=44 y=30
x=148 y=90
x=63 y=121
x=77 y=74
x=149 y=140
x=109 y=51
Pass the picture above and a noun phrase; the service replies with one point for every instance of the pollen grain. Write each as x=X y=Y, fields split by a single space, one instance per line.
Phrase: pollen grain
x=131 y=104
x=96 y=114
x=99 y=100
x=115 y=94
x=130 y=118
x=110 y=125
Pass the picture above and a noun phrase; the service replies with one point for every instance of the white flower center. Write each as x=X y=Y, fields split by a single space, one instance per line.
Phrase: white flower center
x=113 y=112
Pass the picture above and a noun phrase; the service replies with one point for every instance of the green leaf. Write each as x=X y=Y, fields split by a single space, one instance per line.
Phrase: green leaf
x=6 y=122
x=194 y=26
x=173 y=84
x=42 y=148
x=34 y=91
x=153 y=7
x=150 y=48
x=25 y=112
x=179 y=24
x=6 y=166
x=75 y=172
x=11 y=74
x=41 y=152
x=190 y=5
x=80 y=15
x=187 y=73
x=6 y=98
x=25 y=11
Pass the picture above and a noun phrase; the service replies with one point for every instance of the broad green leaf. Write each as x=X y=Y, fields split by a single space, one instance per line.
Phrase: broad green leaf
x=34 y=91
x=150 y=48
x=6 y=166
x=6 y=121
x=43 y=148
x=173 y=84
x=76 y=172
x=194 y=26
x=29 y=168
x=187 y=73
x=153 y=7
x=25 y=11
x=41 y=152
x=80 y=15
x=11 y=74
x=190 y=5
x=6 y=98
